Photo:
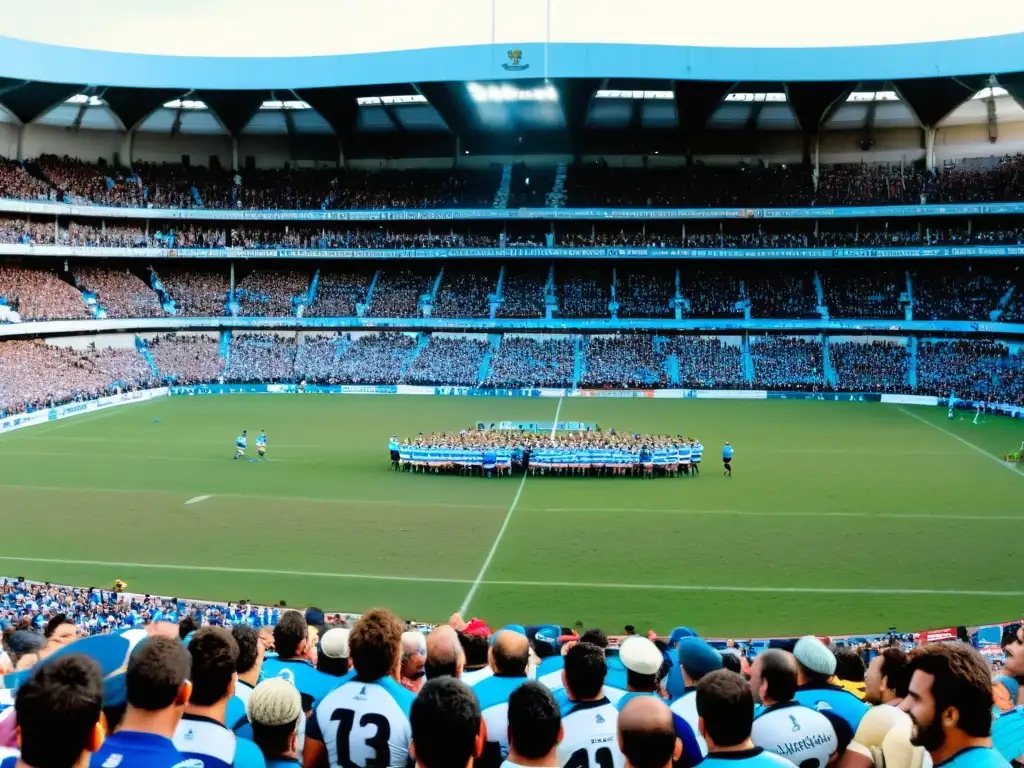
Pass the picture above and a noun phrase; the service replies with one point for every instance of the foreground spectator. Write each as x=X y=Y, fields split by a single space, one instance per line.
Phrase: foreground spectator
x=201 y=734
x=534 y=727
x=816 y=665
x=726 y=710
x=590 y=721
x=59 y=713
x=291 y=639
x=249 y=669
x=274 y=710
x=445 y=656
x=647 y=738
x=696 y=659
x=332 y=657
x=884 y=732
x=447 y=727
x=509 y=661
x=372 y=723
x=949 y=701
x=643 y=662
x=414 y=655
x=157 y=688
x=773 y=683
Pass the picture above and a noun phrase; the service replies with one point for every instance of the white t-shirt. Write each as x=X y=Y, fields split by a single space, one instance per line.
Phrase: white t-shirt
x=797 y=733
x=686 y=707
x=589 y=737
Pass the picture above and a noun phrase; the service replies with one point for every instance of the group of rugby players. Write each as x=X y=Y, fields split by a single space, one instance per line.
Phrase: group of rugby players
x=590 y=453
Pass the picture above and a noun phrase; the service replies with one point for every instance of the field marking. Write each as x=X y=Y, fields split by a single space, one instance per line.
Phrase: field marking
x=959 y=439
x=508 y=583
x=494 y=548
x=558 y=410
x=43 y=430
x=197 y=499
x=753 y=513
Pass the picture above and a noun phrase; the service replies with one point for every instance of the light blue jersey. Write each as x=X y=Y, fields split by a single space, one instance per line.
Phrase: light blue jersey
x=1008 y=734
x=727 y=452
x=695 y=453
x=975 y=757
x=200 y=738
x=241 y=441
x=261 y=440
x=748 y=758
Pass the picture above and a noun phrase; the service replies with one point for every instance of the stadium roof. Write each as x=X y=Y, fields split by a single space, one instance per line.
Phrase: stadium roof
x=581 y=115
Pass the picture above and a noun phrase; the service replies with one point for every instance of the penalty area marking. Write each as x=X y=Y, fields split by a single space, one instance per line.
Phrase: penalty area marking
x=197 y=499
x=546 y=584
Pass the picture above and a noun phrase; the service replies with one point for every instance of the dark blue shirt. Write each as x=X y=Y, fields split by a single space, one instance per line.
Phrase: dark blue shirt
x=132 y=749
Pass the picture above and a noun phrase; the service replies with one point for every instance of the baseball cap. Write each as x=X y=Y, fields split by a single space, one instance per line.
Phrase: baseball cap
x=548 y=635
x=640 y=655
x=274 y=702
x=697 y=657
x=334 y=643
x=679 y=633
x=815 y=655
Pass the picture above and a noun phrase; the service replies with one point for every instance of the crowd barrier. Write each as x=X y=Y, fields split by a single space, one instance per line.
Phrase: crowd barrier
x=885 y=327
x=45 y=415
x=636 y=252
x=478 y=214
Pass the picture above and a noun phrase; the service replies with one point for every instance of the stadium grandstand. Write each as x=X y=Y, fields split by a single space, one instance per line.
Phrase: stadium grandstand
x=698 y=352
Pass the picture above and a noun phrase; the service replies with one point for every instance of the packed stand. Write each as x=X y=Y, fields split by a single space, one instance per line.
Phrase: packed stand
x=168 y=185
x=83 y=183
x=786 y=363
x=777 y=293
x=40 y=295
x=450 y=188
x=957 y=292
x=583 y=292
x=270 y=293
x=857 y=292
x=338 y=293
x=532 y=361
x=1008 y=381
x=26 y=232
x=522 y=294
x=18 y=184
x=448 y=360
x=317 y=356
x=292 y=189
x=970 y=368
x=187 y=358
x=81 y=234
x=1013 y=312
x=375 y=358
x=624 y=361
x=260 y=358
x=38 y=375
x=119 y=292
x=711 y=292
x=465 y=292
x=398 y=292
x=645 y=293
x=876 y=366
x=195 y=293
x=706 y=363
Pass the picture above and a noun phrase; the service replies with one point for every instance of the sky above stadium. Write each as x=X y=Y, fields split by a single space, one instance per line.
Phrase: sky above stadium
x=243 y=28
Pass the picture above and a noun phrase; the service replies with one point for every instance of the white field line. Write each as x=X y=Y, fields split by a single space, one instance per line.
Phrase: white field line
x=760 y=588
x=197 y=499
x=959 y=439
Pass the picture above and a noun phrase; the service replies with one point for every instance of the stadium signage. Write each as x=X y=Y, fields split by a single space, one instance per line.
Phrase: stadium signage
x=481 y=214
x=75 y=409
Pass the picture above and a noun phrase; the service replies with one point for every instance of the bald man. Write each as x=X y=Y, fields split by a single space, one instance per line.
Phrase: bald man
x=445 y=656
x=414 y=654
x=509 y=658
x=647 y=735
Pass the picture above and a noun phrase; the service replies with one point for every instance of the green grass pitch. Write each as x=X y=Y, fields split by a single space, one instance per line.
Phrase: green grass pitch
x=840 y=517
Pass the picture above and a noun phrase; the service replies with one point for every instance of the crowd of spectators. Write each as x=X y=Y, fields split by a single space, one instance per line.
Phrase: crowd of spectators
x=197 y=293
x=465 y=292
x=780 y=293
x=958 y=292
x=38 y=375
x=583 y=292
x=532 y=361
x=22 y=231
x=624 y=361
x=17 y=183
x=787 y=363
x=973 y=369
x=710 y=291
x=318 y=354
x=398 y=291
x=338 y=293
x=522 y=293
x=856 y=291
x=375 y=358
x=645 y=292
x=83 y=183
x=120 y=292
x=187 y=358
x=37 y=294
x=260 y=358
x=448 y=360
x=707 y=363
x=271 y=293
x=877 y=366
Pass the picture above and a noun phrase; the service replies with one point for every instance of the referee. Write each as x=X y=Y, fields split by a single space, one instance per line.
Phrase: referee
x=727 y=458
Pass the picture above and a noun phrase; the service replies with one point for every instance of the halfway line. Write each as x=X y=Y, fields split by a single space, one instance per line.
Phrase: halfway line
x=560 y=584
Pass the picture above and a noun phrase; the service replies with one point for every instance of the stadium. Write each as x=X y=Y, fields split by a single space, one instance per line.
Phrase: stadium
x=387 y=234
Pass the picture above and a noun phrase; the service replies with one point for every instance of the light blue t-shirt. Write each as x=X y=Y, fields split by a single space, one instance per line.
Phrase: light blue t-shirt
x=975 y=757
x=1008 y=733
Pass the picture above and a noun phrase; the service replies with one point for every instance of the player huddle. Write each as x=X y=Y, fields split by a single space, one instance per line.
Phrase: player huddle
x=591 y=453
x=242 y=442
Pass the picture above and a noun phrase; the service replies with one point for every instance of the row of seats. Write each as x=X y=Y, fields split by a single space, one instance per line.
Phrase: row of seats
x=590 y=184
x=41 y=374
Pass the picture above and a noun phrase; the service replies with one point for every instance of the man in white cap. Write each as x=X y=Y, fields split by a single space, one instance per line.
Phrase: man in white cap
x=642 y=661
x=274 y=709
x=332 y=653
x=815 y=666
